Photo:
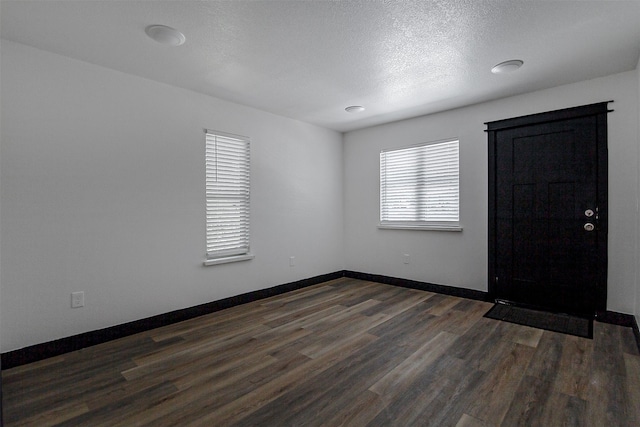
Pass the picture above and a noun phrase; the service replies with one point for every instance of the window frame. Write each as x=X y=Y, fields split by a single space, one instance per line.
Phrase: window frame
x=236 y=189
x=418 y=224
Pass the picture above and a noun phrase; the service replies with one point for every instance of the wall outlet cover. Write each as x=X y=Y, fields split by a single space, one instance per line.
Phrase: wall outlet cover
x=77 y=299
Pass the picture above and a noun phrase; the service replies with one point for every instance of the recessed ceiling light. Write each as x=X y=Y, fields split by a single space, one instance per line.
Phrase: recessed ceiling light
x=165 y=35
x=354 y=109
x=507 y=66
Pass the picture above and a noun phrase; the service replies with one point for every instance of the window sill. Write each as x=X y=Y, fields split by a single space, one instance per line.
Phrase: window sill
x=228 y=259
x=422 y=227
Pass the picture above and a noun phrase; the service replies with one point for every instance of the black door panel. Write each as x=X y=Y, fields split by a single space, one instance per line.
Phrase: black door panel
x=544 y=178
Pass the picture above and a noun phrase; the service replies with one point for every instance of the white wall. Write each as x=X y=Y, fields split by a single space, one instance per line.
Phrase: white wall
x=1 y=420
x=460 y=259
x=103 y=192
x=637 y=251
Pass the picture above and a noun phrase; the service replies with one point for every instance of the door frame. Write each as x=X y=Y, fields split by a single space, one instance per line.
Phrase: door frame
x=598 y=110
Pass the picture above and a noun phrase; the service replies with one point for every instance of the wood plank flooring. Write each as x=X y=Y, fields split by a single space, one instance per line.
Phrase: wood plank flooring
x=341 y=353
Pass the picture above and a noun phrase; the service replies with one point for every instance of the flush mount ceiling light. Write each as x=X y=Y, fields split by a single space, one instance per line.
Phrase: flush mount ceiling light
x=507 y=66
x=354 y=109
x=165 y=35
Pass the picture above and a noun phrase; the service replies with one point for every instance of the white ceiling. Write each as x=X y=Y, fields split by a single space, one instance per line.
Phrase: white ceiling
x=310 y=59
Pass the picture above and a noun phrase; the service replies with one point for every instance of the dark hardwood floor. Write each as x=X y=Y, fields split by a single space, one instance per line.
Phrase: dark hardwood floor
x=346 y=352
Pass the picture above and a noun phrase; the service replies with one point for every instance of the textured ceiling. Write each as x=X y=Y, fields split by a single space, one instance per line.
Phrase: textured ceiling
x=310 y=59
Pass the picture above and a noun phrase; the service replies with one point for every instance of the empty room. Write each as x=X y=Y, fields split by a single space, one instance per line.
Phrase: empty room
x=319 y=213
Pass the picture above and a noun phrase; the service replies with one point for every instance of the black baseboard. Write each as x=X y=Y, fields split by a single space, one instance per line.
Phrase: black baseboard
x=45 y=350
x=615 y=318
x=636 y=332
x=620 y=319
x=423 y=286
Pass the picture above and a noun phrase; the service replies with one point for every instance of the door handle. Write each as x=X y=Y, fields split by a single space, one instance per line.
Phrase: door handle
x=589 y=227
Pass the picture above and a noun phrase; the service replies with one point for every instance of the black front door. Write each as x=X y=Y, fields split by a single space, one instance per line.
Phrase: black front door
x=548 y=210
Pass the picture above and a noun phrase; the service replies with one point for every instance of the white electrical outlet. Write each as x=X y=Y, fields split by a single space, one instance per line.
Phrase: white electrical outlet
x=406 y=258
x=292 y=261
x=77 y=299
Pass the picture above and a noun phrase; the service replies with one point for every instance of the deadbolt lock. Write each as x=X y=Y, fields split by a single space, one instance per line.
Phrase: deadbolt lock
x=588 y=213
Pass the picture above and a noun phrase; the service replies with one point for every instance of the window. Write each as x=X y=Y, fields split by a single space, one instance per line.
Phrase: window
x=227 y=197
x=419 y=186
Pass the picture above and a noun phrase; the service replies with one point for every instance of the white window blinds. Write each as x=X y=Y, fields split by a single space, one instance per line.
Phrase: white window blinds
x=227 y=194
x=420 y=184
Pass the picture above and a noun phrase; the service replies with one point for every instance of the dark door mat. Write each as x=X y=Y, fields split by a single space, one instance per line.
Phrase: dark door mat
x=562 y=323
